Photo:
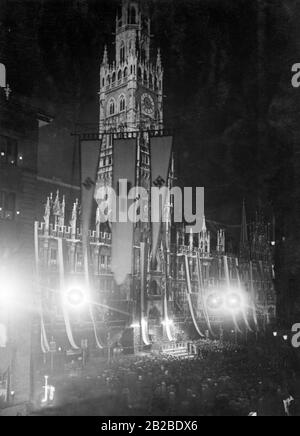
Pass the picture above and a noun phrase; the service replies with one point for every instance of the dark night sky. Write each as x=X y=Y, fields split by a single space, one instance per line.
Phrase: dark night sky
x=227 y=85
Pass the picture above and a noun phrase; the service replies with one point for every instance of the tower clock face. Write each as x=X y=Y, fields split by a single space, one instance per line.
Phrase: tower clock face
x=148 y=105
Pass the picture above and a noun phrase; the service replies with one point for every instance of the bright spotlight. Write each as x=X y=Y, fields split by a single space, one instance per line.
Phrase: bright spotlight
x=75 y=297
x=7 y=293
x=234 y=301
x=214 y=302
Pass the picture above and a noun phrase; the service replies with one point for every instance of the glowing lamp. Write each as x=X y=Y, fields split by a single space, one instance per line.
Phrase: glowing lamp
x=214 y=302
x=234 y=301
x=275 y=334
x=75 y=297
x=285 y=337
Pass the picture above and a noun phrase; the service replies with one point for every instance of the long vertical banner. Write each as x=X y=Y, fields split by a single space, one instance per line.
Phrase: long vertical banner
x=253 y=296
x=61 y=266
x=245 y=314
x=90 y=155
x=189 y=294
x=201 y=288
x=161 y=152
x=124 y=164
x=143 y=268
x=226 y=269
x=44 y=340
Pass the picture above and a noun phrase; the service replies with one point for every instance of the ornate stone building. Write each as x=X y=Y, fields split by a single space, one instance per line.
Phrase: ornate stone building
x=189 y=276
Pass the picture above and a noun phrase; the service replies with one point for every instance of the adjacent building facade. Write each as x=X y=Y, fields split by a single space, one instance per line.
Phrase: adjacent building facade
x=19 y=131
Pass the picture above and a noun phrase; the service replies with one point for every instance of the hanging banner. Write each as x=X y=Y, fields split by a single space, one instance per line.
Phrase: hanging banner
x=2 y=76
x=90 y=297
x=143 y=269
x=61 y=265
x=201 y=289
x=253 y=296
x=245 y=314
x=4 y=386
x=226 y=269
x=189 y=295
x=90 y=154
x=161 y=152
x=124 y=166
x=164 y=270
x=44 y=339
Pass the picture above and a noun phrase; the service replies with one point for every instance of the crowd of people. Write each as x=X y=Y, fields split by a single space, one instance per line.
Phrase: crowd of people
x=221 y=379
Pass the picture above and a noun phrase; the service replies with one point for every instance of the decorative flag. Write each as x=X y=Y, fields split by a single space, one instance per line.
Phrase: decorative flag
x=61 y=264
x=161 y=151
x=4 y=385
x=239 y=285
x=143 y=268
x=189 y=295
x=167 y=321
x=90 y=154
x=44 y=340
x=124 y=164
x=201 y=289
x=2 y=76
x=226 y=269
x=253 y=296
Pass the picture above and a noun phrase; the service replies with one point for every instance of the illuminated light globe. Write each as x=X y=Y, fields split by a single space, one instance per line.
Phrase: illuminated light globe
x=234 y=302
x=214 y=302
x=75 y=297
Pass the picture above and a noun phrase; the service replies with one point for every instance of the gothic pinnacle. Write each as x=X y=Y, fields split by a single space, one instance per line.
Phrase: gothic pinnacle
x=105 y=56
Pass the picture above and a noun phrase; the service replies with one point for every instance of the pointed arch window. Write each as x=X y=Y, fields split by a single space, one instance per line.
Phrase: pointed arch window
x=151 y=81
x=125 y=74
x=130 y=46
x=122 y=52
x=113 y=78
x=139 y=73
x=122 y=103
x=112 y=107
x=133 y=15
x=119 y=75
x=108 y=80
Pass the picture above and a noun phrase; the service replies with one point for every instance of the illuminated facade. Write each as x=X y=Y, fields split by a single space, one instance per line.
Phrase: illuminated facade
x=131 y=101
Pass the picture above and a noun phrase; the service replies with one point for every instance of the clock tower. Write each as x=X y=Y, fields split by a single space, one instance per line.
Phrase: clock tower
x=131 y=85
x=131 y=101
